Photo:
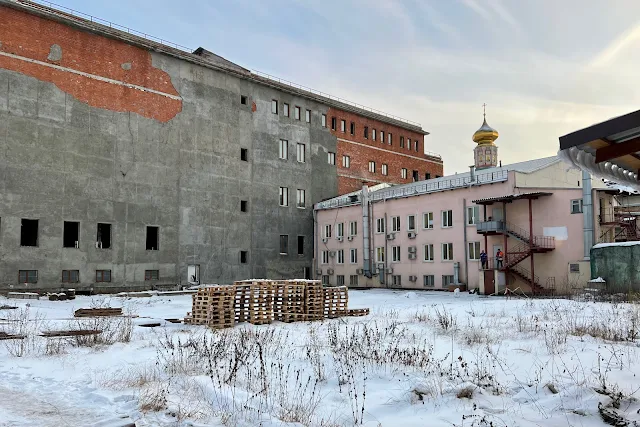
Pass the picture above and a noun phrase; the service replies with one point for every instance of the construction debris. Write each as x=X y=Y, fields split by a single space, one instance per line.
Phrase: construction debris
x=260 y=302
x=6 y=336
x=98 y=312
x=70 y=333
x=23 y=295
x=7 y=307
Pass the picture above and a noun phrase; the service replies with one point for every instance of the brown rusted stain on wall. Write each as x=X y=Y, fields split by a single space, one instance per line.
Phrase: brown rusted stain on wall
x=30 y=36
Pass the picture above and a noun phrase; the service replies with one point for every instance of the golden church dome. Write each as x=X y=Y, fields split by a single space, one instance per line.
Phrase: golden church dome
x=486 y=134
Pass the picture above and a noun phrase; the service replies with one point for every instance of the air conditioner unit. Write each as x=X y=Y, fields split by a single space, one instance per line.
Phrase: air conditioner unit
x=391 y=236
x=412 y=235
x=412 y=256
x=332 y=253
x=339 y=238
x=413 y=278
x=319 y=272
x=330 y=271
x=325 y=240
x=360 y=271
x=390 y=271
x=350 y=238
x=412 y=249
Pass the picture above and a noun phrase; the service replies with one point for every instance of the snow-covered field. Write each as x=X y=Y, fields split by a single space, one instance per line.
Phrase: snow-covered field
x=419 y=359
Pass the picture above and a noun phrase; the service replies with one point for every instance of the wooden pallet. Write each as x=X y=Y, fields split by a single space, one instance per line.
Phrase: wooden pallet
x=70 y=333
x=213 y=306
x=357 y=312
x=6 y=336
x=254 y=301
x=97 y=312
x=289 y=302
x=313 y=300
x=336 y=300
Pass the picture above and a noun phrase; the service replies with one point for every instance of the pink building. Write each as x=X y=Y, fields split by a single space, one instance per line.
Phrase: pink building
x=430 y=234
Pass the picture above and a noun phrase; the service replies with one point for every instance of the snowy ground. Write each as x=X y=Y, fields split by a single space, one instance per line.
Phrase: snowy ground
x=419 y=359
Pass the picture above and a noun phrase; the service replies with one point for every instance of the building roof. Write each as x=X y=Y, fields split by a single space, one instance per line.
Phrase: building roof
x=511 y=197
x=209 y=60
x=450 y=182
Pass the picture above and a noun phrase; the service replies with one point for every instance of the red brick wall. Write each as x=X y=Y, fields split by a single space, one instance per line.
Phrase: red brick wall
x=361 y=150
x=27 y=38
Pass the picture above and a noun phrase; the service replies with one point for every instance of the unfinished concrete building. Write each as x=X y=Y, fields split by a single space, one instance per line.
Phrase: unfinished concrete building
x=126 y=163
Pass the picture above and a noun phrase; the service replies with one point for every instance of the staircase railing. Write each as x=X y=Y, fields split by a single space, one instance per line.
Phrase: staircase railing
x=526 y=275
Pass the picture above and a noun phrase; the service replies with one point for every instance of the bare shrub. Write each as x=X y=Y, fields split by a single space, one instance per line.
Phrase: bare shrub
x=137 y=376
x=25 y=323
x=465 y=392
x=114 y=329
x=153 y=398
x=445 y=319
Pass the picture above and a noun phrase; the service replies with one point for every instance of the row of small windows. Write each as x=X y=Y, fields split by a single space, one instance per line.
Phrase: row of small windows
x=446 y=216
x=428 y=280
x=446 y=253
x=297 y=111
x=284 y=245
x=403 y=172
x=300 y=197
x=73 y=276
x=301 y=152
x=410 y=145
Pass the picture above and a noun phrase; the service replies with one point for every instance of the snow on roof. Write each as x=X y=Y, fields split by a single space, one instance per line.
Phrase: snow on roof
x=606 y=245
x=620 y=188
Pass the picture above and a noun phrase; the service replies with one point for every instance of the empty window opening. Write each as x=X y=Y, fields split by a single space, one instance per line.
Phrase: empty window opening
x=244 y=206
x=70 y=276
x=28 y=276
x=333 y=123
x=427 y=175
x=103 y=239
x=300 y=245
x=353 y=128
x=244 y=256
x=366 y=132
x=243 y=100
x=416 y=176
x=103 y=275
x=284 y=244
x=153 y=238
x=71 y=234
x=244 y=154
x=29 y=232
x=402 y=142
x=151 y=275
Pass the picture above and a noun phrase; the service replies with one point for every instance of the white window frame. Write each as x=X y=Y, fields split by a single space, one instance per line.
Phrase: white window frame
x=409 y=219
x=340 y=280
x=372 y=166
x=446 y=250
x=353 y=280
x=353 y=255
x=373 y=134
x=380 y=226
x=473 y=215
x=427 y=251
x=403 y=173
x=346 y=161
x=331 y=157
x=325 y=257
x=274 y=106
x=340 y=230
x=283 y=149
x=395 y=224
x=385 y=169
x=343 y=126
x=448 y=215
x=380 y=254
x=396 y=279
x=353 y=228
x=325 y=279
x=324 y=121
x=474 y=251
x=327 y=231
x=301 y=198
x=579 y=204
x=285 y=109
x=389 y=138
x=382 y=136
x=284 y=196
x=409 y=144
x=296 y=112
x=395 y=253
x=307 y=116
x=449 y=280
x=301 y=152
x=340 y=256
x=427 y=220
x=425 y=281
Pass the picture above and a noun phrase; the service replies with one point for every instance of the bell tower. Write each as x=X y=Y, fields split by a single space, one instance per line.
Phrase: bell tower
x=485 y=154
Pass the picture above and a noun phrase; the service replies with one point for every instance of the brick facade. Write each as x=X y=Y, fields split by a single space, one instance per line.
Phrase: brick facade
x=361 y=150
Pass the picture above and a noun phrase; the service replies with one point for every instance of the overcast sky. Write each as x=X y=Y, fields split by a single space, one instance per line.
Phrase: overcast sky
x=544 y=67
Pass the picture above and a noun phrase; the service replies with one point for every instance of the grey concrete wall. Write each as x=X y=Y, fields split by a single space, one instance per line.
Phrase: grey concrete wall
x=63 y=160
x=619 y=266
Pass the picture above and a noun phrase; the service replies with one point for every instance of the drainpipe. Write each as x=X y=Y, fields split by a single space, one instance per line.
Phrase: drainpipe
x=315 y=243
x=386 y=252
x=587 y=209
x=366 y=238
x=466 y=245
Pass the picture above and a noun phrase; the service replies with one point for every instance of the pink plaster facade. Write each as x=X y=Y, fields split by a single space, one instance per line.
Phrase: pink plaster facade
x=552 y=216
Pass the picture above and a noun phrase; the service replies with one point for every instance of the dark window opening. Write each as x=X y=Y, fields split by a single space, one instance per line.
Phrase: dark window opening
x=29 y=232
x=427 y=175
x=28 y=276
x=284 y=244
x=103 y=275
x=103 y=239
x=244 y=256
x=300 y=245
x=416 y=176
x=402 y=142
x=438 y=176
x=366 y=132
x=153 y=238
x=243 y=100
x=307 y=273
x=333 y=123
x=151 y=275
x=70 y=276
x=244 y=206
x=353 y=128
x=244 y=154
x=71 y=234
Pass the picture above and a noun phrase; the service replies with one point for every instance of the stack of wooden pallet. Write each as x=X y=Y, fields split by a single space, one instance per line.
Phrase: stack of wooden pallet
x=213 y=306
x=313 y=300
x=254 y=301
x=336 y=300
x=288 y=301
